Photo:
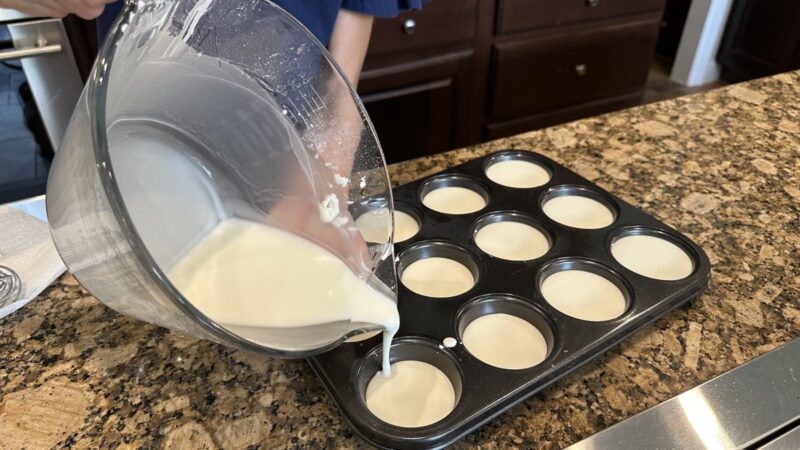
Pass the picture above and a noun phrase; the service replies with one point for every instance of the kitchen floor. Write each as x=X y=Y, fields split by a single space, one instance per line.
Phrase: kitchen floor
x=660 y=87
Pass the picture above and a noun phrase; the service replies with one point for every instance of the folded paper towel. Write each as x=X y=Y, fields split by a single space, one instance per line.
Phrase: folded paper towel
x=27 y=249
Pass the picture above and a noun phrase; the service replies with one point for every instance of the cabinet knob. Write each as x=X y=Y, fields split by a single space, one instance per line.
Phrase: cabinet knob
x=592 y=3
x=580 y=69
x=409 y=26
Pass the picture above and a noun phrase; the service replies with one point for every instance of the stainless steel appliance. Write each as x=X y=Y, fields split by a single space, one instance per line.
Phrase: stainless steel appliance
x=39 y=87
x=754 y=406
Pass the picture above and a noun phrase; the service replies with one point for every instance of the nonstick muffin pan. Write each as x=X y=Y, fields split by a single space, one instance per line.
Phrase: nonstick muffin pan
x=483 y=391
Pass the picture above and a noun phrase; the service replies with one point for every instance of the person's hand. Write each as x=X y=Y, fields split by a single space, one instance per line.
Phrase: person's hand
x=86 y=9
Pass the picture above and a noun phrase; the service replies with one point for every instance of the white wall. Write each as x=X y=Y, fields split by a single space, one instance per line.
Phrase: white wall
x=696 y=61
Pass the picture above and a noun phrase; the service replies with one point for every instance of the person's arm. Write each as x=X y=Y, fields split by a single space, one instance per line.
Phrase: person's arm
x=349 y=42
x=340 y=139
x=86 y=9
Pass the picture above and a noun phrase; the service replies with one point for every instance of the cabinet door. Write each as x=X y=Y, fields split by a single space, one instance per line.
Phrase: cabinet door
x=520 y=15
x=441 y=27
x=761 y=38
x=418 y=109
x=562 y=70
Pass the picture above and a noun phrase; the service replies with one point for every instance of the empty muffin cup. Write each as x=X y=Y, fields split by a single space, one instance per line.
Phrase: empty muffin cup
x=579 y=207
x=584 y=289
x=519 y=170
x=374 y=225
x=424 y=387
x=437 y=269
x=505 y=331
x=511 y=235
x=454 y=194
x=652 y=253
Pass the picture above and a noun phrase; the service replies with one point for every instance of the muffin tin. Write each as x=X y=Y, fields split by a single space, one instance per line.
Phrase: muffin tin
x=502 y=286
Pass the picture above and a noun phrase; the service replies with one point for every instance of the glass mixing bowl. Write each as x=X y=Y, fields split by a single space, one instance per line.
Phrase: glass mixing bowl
x=198 y=111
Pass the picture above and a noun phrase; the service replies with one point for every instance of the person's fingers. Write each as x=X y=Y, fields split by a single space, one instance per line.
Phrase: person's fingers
x=91 y=13
x=62 y=5
x=96 y=3
x=35 y=8
x=85 y=9
x=78 y=7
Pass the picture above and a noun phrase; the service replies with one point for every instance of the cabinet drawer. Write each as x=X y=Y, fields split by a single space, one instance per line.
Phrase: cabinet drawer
x=558 y=71
x=520 y=15
x=440 y=23
x=419 y=110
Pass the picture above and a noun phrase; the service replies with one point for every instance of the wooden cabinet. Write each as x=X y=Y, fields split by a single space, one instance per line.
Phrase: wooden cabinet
x=761 y=38
x=443 y=25
x=549 y=73
x=672 y=23
x=419 y=109
x=423 y=82
x=521 y=15
x=462 y=71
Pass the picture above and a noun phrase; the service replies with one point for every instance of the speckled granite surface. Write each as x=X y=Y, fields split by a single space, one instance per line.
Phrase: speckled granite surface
x=722 y=167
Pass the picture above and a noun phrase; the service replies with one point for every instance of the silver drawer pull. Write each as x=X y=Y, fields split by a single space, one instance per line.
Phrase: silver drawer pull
x=580 y=69
x=592 y=3
x=409 y=26
x=42 y=48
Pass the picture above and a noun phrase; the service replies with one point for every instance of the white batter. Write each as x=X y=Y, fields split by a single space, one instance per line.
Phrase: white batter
x=505 y=341
x=514 y=241
x=518 y=173
x=652 y=257
x=583 y=295
x=437 y=277
x=417 y=394
x=454 y=200
x=374 y=226
x=251 y=275
x=578 y=212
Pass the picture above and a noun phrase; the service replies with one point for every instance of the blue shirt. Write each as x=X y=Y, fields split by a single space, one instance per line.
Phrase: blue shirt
x=318 y=16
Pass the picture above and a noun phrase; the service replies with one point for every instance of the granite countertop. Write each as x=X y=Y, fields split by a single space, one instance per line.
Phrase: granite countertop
x=722 y=167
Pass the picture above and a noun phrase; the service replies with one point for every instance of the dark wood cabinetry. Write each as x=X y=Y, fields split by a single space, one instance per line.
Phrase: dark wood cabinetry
x=521 y=15
x=419 y=108
x=549 y=73
x=443 y=25
x=672 y=23
x=462 y=71
x=761 y=38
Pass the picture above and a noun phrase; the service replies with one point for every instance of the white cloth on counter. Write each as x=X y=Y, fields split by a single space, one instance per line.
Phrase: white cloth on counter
x=26 y=247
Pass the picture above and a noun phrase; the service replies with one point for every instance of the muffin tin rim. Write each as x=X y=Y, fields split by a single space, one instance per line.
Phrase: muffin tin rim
x=518 y=155
x=593 y=194
x=465 y=181
x=529 y=220
x=552 y=347
x=667 y=235
x=412 y=211
x=616 y=278
x=477 y=275
x=375 y=353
